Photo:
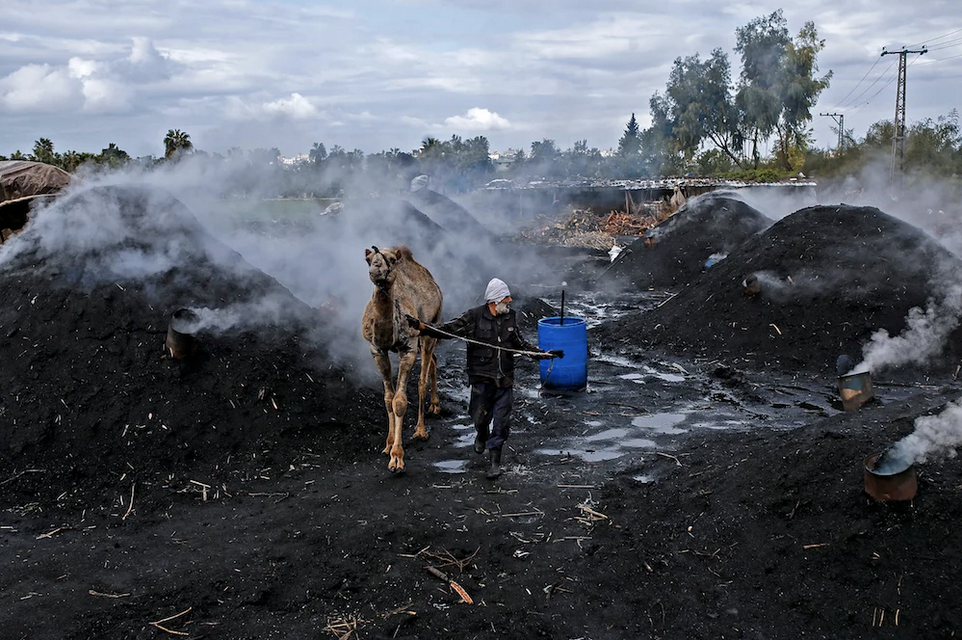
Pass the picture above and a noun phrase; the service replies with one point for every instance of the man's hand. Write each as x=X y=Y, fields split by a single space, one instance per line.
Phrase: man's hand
x=547 y=355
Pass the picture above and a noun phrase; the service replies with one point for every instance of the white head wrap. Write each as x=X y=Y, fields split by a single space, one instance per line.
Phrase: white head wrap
x=496 y=291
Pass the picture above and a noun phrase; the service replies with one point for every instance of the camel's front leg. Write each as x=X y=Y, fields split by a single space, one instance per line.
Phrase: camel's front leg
x=406 y=361
x=435 y=407
x=383 y=362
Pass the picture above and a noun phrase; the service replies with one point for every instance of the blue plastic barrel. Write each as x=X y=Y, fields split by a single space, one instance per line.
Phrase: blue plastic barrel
x=571 y=336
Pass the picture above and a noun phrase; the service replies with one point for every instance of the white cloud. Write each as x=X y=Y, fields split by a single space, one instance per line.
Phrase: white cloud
x=297 y=107
x=40 y=87
x=478 y=119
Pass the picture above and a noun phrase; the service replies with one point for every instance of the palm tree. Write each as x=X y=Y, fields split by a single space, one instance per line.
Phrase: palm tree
x=43 y=151
x=318 y=153
x=176 y=142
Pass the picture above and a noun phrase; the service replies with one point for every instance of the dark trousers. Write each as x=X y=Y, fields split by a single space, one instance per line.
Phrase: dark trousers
x=491 y=403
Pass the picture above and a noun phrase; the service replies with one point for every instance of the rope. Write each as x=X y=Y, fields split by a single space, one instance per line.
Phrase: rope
x=487 y=344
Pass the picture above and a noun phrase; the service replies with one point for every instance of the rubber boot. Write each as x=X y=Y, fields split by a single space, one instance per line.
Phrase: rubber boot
x=494 y=455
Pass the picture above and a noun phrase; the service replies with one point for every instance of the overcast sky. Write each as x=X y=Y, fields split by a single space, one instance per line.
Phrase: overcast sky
x=375 y=74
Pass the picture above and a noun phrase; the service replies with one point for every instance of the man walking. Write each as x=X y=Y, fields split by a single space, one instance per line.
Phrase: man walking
x=493 y=338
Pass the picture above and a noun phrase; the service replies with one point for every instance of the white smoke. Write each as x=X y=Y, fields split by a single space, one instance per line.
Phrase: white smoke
x=934 y=436
x=924 y=337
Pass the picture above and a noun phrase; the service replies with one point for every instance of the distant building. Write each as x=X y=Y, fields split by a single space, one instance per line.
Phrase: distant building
x=302 y=158
x=502 y=161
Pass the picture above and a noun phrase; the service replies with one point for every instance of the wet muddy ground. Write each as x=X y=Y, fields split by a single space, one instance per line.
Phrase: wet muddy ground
x=671 y=499
x=244 y=495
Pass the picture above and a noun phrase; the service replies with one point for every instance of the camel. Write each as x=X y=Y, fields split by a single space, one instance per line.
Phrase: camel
x=401 y=287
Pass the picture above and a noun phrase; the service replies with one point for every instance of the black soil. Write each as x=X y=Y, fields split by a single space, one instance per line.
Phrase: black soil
x=670 y=254
x=242 y=494
x=830 y=276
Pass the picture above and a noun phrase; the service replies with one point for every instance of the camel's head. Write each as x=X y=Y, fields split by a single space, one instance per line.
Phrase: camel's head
x=381 y=265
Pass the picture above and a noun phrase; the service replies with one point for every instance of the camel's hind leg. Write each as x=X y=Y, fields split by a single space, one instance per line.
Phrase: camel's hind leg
x=428 y=364
x=383 y=362
x=434 y=408
x=400 y=407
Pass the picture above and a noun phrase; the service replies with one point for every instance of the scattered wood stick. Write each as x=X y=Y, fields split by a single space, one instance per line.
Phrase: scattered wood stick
x=592 y=512
x=815 y=546
x=17 y=475
x=775 y=326
x=131 y=505
x=50 y=534
x=665 y=301
x=520 y=515
x=107 y=595
x=666 y=455
x=437 y=573
x=461 y=592
x=158 y=624
x=577 y=486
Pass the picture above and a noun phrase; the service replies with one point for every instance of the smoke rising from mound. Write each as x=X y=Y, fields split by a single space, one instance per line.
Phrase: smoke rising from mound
x=923 y=339
x=138 y=225
x=934 y=436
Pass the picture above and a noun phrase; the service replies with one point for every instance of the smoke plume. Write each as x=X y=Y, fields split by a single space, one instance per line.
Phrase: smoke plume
x=934 y=436
x=924 y=337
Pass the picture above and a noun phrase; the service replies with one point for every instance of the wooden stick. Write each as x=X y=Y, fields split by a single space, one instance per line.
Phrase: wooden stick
x=175 y=616
x=15 y=476
x=131 y=505
x=170 y=631
x=815 y=546
x=108 y=595
x=521 y=515
x=665 y=301
x=665 y=455
x=51 y=533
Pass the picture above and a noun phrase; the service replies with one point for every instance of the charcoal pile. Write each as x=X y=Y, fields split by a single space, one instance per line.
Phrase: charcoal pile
x=818 y=283
x=702 y=232
x=93 y=402
x=446 y=212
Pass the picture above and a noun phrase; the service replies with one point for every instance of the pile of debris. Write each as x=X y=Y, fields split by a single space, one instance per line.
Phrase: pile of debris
x=585 y=228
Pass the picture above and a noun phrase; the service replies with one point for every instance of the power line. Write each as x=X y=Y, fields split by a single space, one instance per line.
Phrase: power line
x=840 y=102
x=935 y=39
x=874 y=82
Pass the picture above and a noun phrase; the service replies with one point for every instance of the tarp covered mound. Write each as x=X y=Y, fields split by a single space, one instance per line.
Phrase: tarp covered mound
x=830 y=278
x=89 y=393
x=23 y=179
x=20 y=183
x=705 y=229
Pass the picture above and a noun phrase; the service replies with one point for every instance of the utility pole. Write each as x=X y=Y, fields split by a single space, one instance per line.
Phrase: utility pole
x=839 y=119
x=898 y=142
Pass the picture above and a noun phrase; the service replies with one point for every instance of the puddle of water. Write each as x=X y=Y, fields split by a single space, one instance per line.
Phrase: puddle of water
x=662 y=423
x=618 y=361
x=608 y=434
x=639 y=443
x=594 y=423
x=643 y=478
x=452 y=466
x=596 y=455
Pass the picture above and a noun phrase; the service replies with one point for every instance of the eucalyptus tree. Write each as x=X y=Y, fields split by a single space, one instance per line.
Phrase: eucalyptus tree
x=698 y=108
x=778 y=87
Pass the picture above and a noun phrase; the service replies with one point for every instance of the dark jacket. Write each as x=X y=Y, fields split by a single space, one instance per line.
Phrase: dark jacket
x=489 y=364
